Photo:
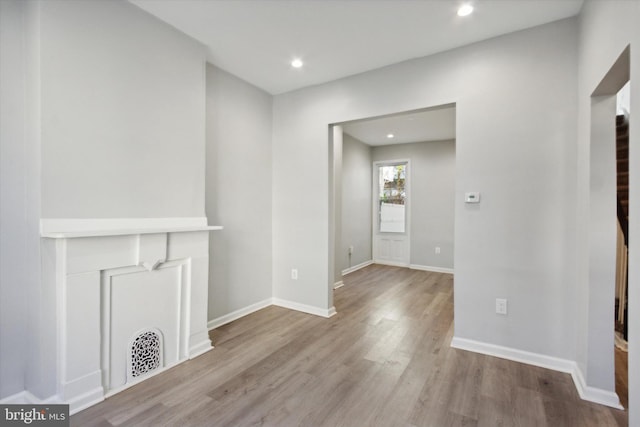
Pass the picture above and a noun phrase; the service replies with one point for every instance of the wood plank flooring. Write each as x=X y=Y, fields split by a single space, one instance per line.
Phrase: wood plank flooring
x=383 y=360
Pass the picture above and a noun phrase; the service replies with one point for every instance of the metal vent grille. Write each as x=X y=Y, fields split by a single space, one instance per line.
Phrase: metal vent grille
x=145 y=354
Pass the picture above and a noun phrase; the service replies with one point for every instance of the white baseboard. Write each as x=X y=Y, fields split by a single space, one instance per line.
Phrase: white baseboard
x=77 y=404
x=588 y=393
x=391 y=263
x=592 y=394
x=26 y=398
x=515 y=355
x=200 y=348
x=15 y=399
x=357 y=267
x=338 y=284
x=429 y=268
x=323 y=312
x=235 y=315
x=86 y=400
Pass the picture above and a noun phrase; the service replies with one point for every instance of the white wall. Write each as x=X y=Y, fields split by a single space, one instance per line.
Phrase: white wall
x=103 y=112
x=432 y=203
x=238 y=192
x=123 y=131
x=623 y=104
x=356 y=203
x=606 y=29
x=515 y=97
x=19 y=192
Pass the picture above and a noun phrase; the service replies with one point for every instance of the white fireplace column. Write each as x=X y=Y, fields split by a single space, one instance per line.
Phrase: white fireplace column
x=130 y=301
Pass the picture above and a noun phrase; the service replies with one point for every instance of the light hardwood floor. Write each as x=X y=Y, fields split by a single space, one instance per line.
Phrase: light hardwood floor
x=383 y=360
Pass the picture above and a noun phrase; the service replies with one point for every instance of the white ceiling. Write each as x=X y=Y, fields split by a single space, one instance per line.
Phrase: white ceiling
x=434 y=124
x=257 y=39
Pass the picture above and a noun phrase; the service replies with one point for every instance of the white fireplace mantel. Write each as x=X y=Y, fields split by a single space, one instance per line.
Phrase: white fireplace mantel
x=112 y=279
x=67 y=228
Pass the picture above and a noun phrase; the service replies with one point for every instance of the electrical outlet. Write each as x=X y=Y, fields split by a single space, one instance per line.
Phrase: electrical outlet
x=437 y=250
x=294 y=273
x=501 y=306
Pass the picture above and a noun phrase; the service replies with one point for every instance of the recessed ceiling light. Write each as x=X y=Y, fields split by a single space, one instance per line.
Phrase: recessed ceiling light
x=465 y=10
x=390 y=135
x=297 y=63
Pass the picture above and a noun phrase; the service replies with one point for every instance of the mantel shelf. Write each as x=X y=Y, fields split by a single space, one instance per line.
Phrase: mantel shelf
x=126 y=231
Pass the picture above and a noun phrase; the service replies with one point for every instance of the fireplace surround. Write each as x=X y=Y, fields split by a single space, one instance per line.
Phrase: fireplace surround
x=130 y=301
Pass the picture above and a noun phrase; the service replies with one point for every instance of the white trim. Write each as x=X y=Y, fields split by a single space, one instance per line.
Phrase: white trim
x=15 y=399
x=60 y=228
x=543 y=361
x=55 y=399
x=48 y=225
x=357 y=267
x=85 y=400
x=593 y=394
x=429 y=268
x=586 y=392
x=391 y=263
x=338 y=285
x=237 y=314
x=76 y=405
x=200 y=349
x=323 y=312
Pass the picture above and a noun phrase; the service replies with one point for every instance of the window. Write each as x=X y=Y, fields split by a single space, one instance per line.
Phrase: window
x=392 y=197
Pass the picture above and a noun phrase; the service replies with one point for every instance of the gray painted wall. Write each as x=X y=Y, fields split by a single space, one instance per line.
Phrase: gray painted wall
x=335 y=203
x=515 y=100
x=122 y=103
x=238 y=192
x=516 y=143
x=103 y=112
x=19 y=193
x=606 y=29
x=432 y=186
x=356 y=202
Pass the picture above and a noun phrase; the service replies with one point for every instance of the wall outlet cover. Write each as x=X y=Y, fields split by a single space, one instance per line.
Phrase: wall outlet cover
x=501 y=306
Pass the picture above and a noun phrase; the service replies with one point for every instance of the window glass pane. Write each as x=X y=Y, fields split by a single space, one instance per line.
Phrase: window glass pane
x=392 y=198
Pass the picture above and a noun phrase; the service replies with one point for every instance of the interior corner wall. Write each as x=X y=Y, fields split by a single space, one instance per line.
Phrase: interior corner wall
x=19 y=192
x=432 y=181
x=515 y=101
x=356 y=203
x=336 y=147
x=606 y=29
x=122 y=105
x=103 y=117
x=238 y=192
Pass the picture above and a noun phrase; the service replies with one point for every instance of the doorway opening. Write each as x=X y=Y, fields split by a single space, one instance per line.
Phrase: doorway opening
x=623 y=108
x=608 y=229
x=393 y=191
